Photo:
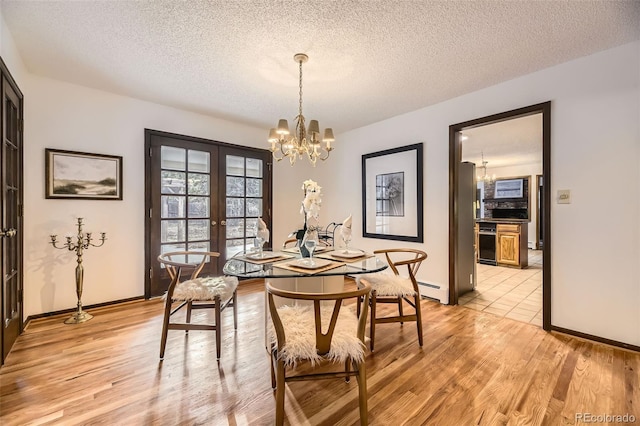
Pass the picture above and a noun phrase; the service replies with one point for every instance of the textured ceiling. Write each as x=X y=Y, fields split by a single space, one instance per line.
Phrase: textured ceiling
x=369 y=60
x=509 y=143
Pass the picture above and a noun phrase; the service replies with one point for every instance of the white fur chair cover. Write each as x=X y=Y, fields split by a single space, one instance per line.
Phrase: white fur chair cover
x=388 y=284
x=300 y=335
x=206 y=288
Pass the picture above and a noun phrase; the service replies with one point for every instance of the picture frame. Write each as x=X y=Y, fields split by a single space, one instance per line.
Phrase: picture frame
x=509 y=188
x=82 y=176
x=392 y=194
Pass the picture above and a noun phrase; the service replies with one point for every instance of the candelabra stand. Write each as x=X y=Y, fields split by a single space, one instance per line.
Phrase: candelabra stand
x=82 y=243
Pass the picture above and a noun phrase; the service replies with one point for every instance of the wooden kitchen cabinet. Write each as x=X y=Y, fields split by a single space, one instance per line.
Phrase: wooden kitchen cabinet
x=511 y=247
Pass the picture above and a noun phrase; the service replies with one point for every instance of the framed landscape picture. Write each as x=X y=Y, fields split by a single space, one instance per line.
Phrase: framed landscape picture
x=392 y=194
x=82 y=176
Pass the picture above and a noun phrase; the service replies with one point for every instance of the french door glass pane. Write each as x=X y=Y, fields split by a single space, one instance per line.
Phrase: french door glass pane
x=173 y=231
x=173 y=182
x=235 y=228
x=254 y=187
x=235 y=207
x=252 y=227
x=198 y=207
x=235 y=246
x=199 y=230
x=172 y=206
x=167 y=248
x=235 y=186
x=198 y=184
x=198 y=161
x=254 y=207
x=254 y=167
x=235 y=165
x=173 y=158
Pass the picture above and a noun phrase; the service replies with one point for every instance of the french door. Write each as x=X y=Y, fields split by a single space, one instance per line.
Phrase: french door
x=201 y=196
x=11 y=212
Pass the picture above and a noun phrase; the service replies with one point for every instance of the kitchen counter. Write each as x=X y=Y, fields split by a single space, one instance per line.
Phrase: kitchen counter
x=491 y=220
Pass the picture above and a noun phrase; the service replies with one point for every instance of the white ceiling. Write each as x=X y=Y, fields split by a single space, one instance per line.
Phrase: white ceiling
x=369 y=60
x=513 y=142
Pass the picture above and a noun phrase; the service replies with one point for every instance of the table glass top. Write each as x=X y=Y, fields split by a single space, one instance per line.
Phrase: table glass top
x=287 y=264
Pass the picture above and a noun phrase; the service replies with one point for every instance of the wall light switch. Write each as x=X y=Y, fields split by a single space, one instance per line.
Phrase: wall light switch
x=564 y=196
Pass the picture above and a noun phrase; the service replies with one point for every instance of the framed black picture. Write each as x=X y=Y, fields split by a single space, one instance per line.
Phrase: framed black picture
x=82 y=176
x=392 y=201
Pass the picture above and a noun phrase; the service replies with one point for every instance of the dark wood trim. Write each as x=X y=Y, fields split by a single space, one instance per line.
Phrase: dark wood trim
x=5 y=70
x=546 y=225
x=153 y=134
x=71 y=310
x=538 y=211
x=455 y=156
x=595 y=338
x=7 y=78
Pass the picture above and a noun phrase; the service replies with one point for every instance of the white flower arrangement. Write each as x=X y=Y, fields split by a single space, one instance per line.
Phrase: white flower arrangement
x=312 y=199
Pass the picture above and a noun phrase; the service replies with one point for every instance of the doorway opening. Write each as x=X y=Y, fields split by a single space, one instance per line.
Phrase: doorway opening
x=506 y=208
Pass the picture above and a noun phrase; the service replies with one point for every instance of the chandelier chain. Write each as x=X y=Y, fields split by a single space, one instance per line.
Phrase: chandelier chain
x=300 y=87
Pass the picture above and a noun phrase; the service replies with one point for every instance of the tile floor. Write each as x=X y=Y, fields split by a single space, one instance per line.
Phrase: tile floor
x=509 y=292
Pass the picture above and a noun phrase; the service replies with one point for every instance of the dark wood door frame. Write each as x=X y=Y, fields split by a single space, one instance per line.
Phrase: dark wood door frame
x=455 y=157
x=12 y=213
x=149 y=134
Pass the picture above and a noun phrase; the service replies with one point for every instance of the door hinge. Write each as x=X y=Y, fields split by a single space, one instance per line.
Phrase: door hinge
x=150 y=151
x=21 y=210
x=150 y=273
x=150 y=213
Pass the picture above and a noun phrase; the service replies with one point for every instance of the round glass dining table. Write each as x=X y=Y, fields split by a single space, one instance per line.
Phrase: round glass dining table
x=287 y=263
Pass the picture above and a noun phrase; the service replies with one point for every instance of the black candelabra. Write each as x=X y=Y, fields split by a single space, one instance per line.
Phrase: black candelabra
x=82 y=243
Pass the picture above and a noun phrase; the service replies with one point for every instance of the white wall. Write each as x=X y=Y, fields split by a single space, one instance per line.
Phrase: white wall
x=65 y=116
x=594 y=127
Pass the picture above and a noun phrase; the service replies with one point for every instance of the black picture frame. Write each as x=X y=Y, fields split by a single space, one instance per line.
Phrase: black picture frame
x=392 y=194
x=78 y=175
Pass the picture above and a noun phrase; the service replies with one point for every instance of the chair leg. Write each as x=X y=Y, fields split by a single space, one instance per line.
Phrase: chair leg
x=189 y=306
x=165 y=326
x=400 y=309
x=362 y=393
x=272 y=360
x=280 y=384
x=218 y=327
x=347 y=364
x=372 y=328
x=419 y=318
x=235 y=309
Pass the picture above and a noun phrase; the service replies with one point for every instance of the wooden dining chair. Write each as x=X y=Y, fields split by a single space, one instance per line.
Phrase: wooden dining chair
x=321 y=332
x=215 y=293
x=397 y=289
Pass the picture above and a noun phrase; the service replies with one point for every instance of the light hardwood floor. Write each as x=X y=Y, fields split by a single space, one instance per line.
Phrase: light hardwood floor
x=474 y=369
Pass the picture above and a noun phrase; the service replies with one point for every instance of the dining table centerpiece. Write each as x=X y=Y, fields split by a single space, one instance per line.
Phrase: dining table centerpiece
x=310 y=209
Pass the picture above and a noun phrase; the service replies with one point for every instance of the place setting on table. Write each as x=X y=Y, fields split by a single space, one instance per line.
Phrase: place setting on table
x=311 y=260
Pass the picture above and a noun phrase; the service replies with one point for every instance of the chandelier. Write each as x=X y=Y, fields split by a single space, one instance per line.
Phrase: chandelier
x=485 y=177
x=305 y=141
